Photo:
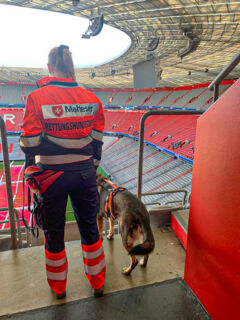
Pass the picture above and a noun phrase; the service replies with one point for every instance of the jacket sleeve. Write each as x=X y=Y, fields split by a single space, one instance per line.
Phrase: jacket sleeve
x=31 y=138
x=97 y=134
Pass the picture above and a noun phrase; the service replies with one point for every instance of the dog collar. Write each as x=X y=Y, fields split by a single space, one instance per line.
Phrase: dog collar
x=109 y=204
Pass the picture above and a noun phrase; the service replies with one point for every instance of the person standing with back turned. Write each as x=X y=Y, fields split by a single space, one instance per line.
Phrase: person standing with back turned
x=63 y=128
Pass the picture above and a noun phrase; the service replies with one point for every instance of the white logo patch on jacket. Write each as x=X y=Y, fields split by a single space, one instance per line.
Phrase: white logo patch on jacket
x=69 y=110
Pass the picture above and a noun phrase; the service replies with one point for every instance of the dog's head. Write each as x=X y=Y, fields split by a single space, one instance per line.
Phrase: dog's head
x=100 y=178
x=100 y=181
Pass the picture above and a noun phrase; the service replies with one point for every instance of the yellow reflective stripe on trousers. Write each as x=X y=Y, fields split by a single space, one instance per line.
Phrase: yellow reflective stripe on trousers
x=30 y=141
x=94 y=270
x=56 y=263
x=57 y=276
x=70 y=143
x=93 y=254
x=61 y=159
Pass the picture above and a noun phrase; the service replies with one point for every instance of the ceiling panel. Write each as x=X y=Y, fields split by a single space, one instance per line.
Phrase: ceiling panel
x=215 y=24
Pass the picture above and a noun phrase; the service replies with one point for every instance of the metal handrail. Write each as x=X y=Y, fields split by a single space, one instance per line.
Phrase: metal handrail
x=173 y=201
x=8 y=183
x=141 y=137
x=151 y=203
x=20 y=243
x=168 y=191
x=229 y=67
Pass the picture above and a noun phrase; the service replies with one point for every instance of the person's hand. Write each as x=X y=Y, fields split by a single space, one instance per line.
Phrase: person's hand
x=96 y=162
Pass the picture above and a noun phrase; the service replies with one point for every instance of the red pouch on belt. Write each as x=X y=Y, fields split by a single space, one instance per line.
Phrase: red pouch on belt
x=40 y=180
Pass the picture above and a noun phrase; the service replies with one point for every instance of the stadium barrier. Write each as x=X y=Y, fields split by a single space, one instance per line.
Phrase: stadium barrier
x=8 y=184
x=141 y=139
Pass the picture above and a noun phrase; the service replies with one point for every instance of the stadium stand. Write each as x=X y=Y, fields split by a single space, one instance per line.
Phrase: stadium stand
x=159 y=97
x=195 y=97
x=12 y=93
x=173 y=133
x=120 y=97
x=161 y=171
x=162 y=131
x=139 y=97
x=103 y=96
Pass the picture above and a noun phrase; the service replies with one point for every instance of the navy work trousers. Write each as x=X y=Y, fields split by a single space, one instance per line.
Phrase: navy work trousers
x=82 y=188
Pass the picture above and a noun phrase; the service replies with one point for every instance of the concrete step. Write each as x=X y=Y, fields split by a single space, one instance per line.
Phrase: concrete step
x=24 y=286
x=179 y=224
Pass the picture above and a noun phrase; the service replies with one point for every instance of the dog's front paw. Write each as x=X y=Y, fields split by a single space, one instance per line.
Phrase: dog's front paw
x=110 y=237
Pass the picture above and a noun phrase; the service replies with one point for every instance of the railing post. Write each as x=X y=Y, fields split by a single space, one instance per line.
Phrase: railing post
x=141 y=138
x=229 y=67
x=8 y=183
x=214 y=85
x=216 y=92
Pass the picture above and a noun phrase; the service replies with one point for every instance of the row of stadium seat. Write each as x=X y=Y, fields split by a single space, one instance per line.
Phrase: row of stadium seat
x=161 y=171
x=14 y=93
x=195 y=97
x=175 y=133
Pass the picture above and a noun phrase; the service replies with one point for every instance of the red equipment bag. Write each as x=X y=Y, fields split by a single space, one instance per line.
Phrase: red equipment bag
x=40 y=180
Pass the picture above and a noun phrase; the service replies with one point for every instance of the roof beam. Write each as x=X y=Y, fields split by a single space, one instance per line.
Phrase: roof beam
x=172 y=8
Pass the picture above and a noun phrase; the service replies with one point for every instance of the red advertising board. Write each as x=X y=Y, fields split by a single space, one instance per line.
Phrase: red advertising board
x=13 y=118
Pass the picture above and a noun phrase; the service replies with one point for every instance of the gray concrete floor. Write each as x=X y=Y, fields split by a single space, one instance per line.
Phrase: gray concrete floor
x=23 y=277
x=168 y=300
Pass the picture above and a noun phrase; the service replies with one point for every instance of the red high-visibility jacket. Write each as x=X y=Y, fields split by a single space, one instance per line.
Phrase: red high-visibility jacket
x=63 y=124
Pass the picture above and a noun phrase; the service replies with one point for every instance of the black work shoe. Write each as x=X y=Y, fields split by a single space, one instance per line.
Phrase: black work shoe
x=60 y=295
x=98 y=292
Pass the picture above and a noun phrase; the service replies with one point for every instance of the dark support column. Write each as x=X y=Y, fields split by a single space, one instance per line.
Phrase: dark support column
x=216 y=92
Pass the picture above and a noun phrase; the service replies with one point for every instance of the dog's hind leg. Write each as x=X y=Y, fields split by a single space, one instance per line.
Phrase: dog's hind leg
x=144 y=260
x=133 y=262
x=111 y=229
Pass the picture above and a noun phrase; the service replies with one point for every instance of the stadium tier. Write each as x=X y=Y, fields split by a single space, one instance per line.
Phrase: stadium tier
x=173 y=133
x=12 y=92
x=161 y=171
x=196 y=96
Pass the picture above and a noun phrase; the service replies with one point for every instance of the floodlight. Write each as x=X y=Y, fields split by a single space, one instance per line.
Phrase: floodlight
x=192 y=44
x=94 y=28
x=153 y=44
x=75 y=2
x=92 y=75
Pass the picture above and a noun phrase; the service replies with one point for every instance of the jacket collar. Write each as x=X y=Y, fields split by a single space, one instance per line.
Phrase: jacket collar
x=69 y=82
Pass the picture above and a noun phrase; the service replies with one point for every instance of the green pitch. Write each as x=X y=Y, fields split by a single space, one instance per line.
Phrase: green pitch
x=70 y=215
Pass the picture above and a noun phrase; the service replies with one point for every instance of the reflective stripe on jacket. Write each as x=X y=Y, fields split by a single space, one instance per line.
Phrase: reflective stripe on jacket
x=62 y=118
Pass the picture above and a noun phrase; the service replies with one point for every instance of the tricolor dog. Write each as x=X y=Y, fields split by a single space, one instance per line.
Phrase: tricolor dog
x=132 y=216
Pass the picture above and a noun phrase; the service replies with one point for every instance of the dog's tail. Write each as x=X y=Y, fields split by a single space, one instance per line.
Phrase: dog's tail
x=148 y=245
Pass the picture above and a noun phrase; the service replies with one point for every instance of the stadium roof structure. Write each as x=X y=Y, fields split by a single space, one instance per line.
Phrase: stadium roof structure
x=191 y=41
